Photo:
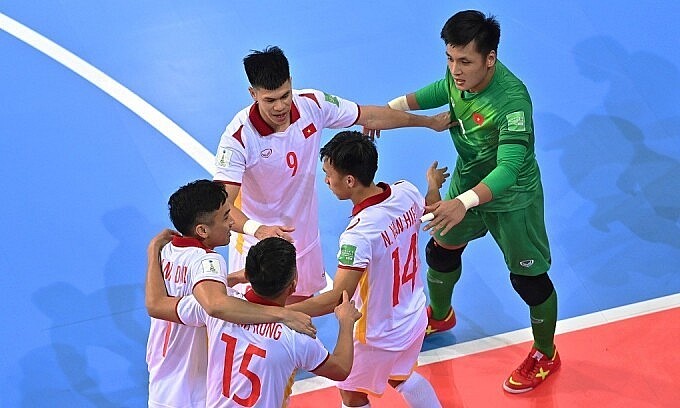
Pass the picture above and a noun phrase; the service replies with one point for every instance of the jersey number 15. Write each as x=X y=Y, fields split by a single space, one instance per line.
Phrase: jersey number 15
x=256 y=383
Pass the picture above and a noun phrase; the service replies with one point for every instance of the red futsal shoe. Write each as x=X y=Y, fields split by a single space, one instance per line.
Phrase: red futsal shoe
x=436 y=326
x=532 y=372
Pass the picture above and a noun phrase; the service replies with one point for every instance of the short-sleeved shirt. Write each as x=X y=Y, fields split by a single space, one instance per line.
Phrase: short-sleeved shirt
x=499 y=114
x=176 y=355
x=276 y=171
x=251 y=365
x=382 y=240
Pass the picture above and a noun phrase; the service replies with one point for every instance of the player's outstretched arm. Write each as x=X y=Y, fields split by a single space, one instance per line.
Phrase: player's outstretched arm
x=158 y=304
x=382 y=117
x=339 y=363
x=217 y=303
x=405 y=102
x=345 y=281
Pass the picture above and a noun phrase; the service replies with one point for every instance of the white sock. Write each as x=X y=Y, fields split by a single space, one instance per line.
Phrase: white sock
x=363 y=406
x=418 y=392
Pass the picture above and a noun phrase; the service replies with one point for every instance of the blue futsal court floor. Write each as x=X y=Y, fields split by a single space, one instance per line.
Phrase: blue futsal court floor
x=106 y=108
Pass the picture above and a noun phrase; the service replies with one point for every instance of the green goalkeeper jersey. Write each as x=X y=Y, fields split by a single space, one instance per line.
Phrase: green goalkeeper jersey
x=499 y=114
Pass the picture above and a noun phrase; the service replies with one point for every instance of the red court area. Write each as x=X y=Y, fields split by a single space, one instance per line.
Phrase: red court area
x=629 y=363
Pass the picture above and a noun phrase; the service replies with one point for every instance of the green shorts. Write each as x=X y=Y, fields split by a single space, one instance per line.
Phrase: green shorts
x=520 y=234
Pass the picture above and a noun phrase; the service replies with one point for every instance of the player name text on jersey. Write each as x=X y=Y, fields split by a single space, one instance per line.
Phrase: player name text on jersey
x=399 y=225
x=180 y=272
x=271 y=330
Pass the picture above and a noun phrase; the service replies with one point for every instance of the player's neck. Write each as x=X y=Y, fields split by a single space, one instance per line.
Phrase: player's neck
x=362 y=193
x=280 y=128
x=487 y=80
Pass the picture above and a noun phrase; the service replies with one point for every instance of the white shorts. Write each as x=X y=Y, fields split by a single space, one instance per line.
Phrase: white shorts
x=373 y=367
x=311 y=271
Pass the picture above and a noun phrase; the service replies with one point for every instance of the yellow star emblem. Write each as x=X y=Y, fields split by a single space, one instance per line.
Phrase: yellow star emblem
x=542 y=373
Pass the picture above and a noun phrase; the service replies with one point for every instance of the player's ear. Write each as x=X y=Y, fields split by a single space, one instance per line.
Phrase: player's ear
x=293 y=285
x=253 y=93
x=201 y=231
x=491 y=59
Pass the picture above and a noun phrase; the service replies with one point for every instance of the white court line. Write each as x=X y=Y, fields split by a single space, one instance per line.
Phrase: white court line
x=130 y=100
x=518 y=336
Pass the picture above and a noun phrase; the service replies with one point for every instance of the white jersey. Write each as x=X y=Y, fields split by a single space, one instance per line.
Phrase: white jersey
x=277 y=172
x=176 y=355
x=382 y=238
x=251 y=365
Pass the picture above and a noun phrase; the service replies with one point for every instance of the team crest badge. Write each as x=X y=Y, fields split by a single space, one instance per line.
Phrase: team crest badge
x=479 y=119
x=309 y=130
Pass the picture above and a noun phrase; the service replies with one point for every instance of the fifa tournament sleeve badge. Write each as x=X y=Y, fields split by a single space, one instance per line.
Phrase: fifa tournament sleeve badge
x=516 y=121
x=223 y=157
x=211 y=266
x=346 y=254
x=332 y=99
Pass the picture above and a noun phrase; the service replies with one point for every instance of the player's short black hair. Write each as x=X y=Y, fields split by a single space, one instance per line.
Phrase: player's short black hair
x=267 y=69
x=194 y=204
x=472 y=25
x=353 y=153
x=271 y=266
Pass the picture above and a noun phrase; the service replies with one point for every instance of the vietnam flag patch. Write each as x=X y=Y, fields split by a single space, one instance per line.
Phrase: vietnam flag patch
x=479 y=119
x=309 y=130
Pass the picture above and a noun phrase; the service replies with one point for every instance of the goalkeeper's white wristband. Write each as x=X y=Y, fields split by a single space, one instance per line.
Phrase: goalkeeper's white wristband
x=399 y=103
x=250 y=227
x=469 y=199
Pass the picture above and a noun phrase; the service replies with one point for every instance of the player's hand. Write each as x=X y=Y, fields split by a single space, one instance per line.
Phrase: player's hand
x=281 y=231
x=442 y=121
x=299 y=322
x=237 y=277
x=447 y=214
x=371 y=133
x=346 y=311
x=158 y=242
x=436 y=176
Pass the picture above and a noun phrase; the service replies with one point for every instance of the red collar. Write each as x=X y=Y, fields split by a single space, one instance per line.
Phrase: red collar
x=373 y=200
x=261 y=126
x=184 y=242
x=255 y=298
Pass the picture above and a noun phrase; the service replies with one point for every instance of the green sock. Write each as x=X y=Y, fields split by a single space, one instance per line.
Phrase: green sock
x=440 y=285
x=543 y=320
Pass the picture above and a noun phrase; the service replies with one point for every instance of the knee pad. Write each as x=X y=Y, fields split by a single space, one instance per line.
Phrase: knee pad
x=441 y=259
x=534 y=290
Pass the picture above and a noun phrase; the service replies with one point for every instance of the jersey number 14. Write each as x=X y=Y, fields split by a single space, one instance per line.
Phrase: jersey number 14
x=407 y=273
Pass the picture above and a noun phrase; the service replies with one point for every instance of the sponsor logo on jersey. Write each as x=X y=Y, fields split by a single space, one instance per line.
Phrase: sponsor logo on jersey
x=266 y=153
x=346 y=254
x=223 y=157
x=516 y=121
x=526 y=263
x=332 y=99
x=309 y=130
x=479 y=119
